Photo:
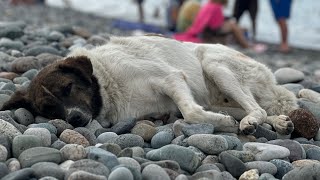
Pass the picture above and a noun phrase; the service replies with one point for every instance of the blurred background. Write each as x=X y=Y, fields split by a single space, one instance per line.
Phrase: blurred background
x=304 y=21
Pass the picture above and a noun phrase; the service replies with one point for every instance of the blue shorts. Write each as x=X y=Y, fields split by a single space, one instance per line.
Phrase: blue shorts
x=281 y=8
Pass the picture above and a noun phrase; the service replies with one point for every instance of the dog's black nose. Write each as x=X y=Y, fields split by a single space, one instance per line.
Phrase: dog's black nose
x=75 y=118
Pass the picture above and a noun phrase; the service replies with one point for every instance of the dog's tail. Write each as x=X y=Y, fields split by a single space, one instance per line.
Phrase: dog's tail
x=280 y=102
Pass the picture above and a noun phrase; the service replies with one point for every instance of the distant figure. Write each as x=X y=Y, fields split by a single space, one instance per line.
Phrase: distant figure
x=246 y=5
x=140 y=9
x=210 y=22
x=281 y=11
x=26 y=2
x=187 y=14
x=172 y=13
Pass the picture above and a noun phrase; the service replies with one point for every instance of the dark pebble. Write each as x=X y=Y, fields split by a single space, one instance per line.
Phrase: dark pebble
x=124 y=126
x=234 y=165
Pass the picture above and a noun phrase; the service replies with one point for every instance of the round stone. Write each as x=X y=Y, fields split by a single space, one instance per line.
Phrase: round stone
x=304 y=162
x=121 y=173
x=61 y=125
x=3 y=153
x=166 y=164
x=24 y=64
x=313 y=153
x=87 y=134
x=30 y=74
x=107 y=137
x=89 y=166
x=106 y=158
x=262 y=166
x=43 y=169
x=39 y=154
x=283 y=167
x=26 y=173
x=266 y=152
x=197 y=129
x=311 y=171
x=296 y=150
x=8 y=130
x=124 y=126
x=111 y=147
x=186 y=158
x=36 y=50
x=129 y=140
x=130 y=162
x=23 y=142
x=83 y=175
x=208 y=143
x=250 y=175
x=3 y=170
x=146 y=131
x=43 y=133
x=13 y=164
x=52 y=129
x=58 y=144
x=288 y=75
x=305 y=124
x=295 y=88
x=244 y=156
x=210 y=174
x=72 y=137
x=234 y=165
x=73 y=152
x=161 y=139
x=153 y=172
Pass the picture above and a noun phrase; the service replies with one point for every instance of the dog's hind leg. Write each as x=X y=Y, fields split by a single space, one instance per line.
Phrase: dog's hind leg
x=230 y=86
x=175 y=86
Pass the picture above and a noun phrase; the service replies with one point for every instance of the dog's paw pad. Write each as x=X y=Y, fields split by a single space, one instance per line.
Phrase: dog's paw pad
x=249 y=129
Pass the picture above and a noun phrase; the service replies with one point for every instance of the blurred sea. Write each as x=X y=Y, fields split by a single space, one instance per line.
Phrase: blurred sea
x=304 y=23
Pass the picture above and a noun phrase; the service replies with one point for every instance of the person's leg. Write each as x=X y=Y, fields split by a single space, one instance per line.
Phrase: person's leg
x=230 y=25
x=253 y=9
x=140 y=8
x=284 y=46
x=281 y=11
x=239 y=8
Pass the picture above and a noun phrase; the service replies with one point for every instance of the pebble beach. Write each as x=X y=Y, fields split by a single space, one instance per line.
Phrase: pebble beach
x=156 y=147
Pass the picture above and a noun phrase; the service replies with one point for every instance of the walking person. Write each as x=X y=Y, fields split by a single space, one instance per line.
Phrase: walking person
x=281 y=11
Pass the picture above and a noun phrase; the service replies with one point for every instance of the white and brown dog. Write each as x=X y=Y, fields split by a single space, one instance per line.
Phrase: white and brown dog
x=135 y=76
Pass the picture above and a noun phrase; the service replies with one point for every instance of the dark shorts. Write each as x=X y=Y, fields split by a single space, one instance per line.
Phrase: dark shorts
x=281 y=8
x=245 y=5
x=139 y=1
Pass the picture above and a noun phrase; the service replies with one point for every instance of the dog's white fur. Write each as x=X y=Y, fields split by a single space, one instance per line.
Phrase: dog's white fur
x=149 y=74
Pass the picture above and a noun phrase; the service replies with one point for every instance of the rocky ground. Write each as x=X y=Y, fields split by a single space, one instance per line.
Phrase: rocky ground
x=155 y=148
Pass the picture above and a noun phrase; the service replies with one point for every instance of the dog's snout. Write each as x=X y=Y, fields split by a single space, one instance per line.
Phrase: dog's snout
x=76 y=118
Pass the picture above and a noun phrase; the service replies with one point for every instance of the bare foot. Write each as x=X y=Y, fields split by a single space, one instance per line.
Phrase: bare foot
x=284 y=48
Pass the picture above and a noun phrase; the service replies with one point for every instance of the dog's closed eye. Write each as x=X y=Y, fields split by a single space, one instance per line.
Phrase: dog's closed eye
x=66 y=91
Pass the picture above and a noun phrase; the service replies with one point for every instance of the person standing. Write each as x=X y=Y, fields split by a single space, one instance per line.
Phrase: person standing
x=281 y=11
x=242 y=6
x=140 y=10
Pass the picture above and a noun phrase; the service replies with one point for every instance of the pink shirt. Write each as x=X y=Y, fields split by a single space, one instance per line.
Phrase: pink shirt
x=210 y=15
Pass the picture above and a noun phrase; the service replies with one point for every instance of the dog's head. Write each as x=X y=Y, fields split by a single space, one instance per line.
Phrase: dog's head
x=66 y=90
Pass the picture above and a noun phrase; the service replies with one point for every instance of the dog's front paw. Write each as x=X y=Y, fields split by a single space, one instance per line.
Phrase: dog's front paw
x=283 y=125
x=248 y=125
x=229 y=125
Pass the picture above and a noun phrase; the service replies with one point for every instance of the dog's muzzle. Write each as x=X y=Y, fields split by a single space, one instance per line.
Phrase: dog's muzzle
x=77 y=118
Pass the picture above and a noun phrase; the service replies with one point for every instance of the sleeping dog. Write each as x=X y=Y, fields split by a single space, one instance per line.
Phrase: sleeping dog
x=134 y=76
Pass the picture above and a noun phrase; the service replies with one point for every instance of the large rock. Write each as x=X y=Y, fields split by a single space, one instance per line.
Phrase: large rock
x=305 y=124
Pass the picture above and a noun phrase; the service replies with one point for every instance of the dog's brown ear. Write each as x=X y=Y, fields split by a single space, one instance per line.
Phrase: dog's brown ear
x=18 y=100
x=80 y=65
